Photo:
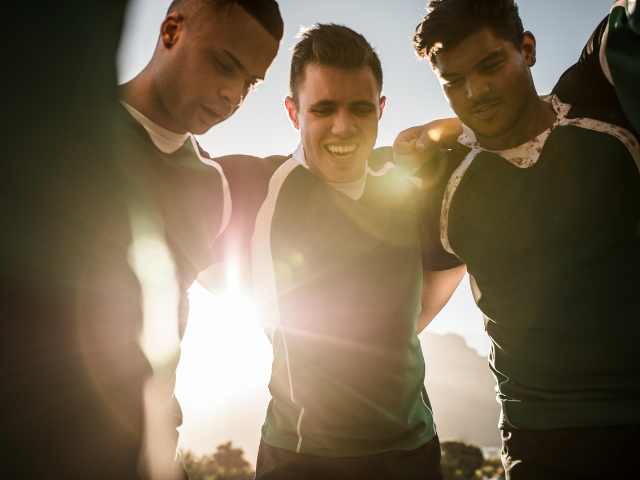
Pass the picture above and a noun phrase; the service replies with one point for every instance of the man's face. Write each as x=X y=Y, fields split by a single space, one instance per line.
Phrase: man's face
x=337 y=114
x=209 y=69
x=487 y=82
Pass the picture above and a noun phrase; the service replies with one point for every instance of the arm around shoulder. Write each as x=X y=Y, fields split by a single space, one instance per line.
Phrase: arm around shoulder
x=437 y=288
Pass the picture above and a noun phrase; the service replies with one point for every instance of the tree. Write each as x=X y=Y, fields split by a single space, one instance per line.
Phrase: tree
x=460 y=460
x=227 y=463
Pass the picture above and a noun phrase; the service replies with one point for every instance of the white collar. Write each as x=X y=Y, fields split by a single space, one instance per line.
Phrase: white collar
x=353 y=190
x=527 y=154
x=165 y=140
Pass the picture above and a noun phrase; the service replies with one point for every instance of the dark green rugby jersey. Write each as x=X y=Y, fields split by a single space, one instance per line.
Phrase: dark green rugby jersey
x=622 y=56
x=184 y=192
x=339 y=282
x=550 y=233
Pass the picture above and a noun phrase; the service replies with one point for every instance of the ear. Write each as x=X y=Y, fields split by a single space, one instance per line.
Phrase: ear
x=292 y=112
x=171 y=29
x=529 y=49
x=383 y=102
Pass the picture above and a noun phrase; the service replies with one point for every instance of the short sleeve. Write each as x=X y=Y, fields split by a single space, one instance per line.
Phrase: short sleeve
x=587 y=89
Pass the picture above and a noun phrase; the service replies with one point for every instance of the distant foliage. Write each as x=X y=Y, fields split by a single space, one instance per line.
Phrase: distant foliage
x=227 y=463
x=491 y=469
x=460 y=461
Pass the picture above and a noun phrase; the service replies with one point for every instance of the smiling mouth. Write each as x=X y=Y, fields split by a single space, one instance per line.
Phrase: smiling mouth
x=341 y=151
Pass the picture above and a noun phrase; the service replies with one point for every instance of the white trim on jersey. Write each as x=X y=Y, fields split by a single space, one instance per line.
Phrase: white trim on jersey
x=526 y=155
x=452 y=185
x=604 y=64
x=625 y=136
x=299 y=431
x=226 y=195
x=264 y=280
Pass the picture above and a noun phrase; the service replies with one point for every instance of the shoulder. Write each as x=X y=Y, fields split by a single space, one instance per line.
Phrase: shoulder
x=379 y=158
x=629 y=138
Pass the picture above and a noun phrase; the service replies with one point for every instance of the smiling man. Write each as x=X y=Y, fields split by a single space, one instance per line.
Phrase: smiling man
x=336 y=271
x=209 y=55
x=541 y=204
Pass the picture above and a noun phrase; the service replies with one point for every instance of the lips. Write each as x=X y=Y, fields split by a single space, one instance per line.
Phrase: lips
x=485 y=110
x=211 y=117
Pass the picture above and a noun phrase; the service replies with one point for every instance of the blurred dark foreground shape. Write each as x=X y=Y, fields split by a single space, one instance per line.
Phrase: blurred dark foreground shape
x=72 y=371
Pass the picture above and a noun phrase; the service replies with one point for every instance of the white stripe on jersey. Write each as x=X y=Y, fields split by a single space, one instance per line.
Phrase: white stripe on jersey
x=226 y=196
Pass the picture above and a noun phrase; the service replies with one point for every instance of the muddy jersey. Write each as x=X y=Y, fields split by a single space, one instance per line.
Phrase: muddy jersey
x=550 y=234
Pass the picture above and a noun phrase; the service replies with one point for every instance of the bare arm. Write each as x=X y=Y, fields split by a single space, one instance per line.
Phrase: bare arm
x=418 y=145
x=437 y=288
x=233 y=273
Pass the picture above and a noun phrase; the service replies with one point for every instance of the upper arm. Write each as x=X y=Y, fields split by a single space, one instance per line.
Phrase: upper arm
x=437 y=288
x=248 y=180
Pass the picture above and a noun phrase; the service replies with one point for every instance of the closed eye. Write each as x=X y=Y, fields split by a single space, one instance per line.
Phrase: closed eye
x=491 y=67
x=363 y=111
x=223 y=67
x=322 y=112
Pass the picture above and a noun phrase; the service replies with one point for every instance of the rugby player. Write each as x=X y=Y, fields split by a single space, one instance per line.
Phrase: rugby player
x=335 y=257
x=540 y=202
x=209 y=55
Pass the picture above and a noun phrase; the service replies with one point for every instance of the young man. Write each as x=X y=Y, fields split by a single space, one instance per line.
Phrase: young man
x=542 y=206
x=209 y=55
x=335 y=258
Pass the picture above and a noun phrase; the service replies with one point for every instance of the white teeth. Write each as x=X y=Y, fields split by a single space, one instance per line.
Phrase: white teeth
x=342 y=149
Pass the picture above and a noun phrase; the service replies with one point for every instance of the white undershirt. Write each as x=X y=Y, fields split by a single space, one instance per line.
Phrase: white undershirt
x=353 y=190
x=165 y=140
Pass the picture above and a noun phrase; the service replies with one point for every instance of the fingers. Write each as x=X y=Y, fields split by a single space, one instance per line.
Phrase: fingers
x=405 y=142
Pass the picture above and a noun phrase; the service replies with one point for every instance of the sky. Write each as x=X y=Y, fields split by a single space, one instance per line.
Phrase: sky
x=226 y=359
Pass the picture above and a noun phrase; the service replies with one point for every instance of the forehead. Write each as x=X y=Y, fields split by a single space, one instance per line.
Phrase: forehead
x=327 y=83
x=471 y=51
x=233 y=30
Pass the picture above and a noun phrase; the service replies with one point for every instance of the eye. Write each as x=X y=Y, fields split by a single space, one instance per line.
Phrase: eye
x=363 y=111
x=456 y=82
x=492 y=67
x=223 y=67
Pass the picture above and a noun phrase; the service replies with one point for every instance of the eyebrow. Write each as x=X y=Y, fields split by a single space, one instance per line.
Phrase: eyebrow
x=240 y=65
x=492 y=56
x=331 y=103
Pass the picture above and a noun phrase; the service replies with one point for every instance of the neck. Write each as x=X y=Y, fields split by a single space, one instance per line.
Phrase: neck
x=143 y=95
x=537 y=117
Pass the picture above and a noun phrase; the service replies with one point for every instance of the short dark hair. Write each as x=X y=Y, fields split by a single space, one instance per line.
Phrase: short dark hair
x=266 y=12
x=335 y=46
x=448 y=22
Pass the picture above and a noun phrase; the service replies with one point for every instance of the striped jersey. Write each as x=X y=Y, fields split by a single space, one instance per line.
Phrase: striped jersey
x=339 y=283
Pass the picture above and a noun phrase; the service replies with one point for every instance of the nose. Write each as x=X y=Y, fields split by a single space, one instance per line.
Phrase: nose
x=233 y=93
x=343 y=125
x=476 y=87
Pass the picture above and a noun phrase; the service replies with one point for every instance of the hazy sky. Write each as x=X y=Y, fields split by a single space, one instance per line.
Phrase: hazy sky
x=226 y=359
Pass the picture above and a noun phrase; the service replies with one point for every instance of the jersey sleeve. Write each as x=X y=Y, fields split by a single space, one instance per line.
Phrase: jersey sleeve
x=435 y=176
x=587 y=89
x=620 y=55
